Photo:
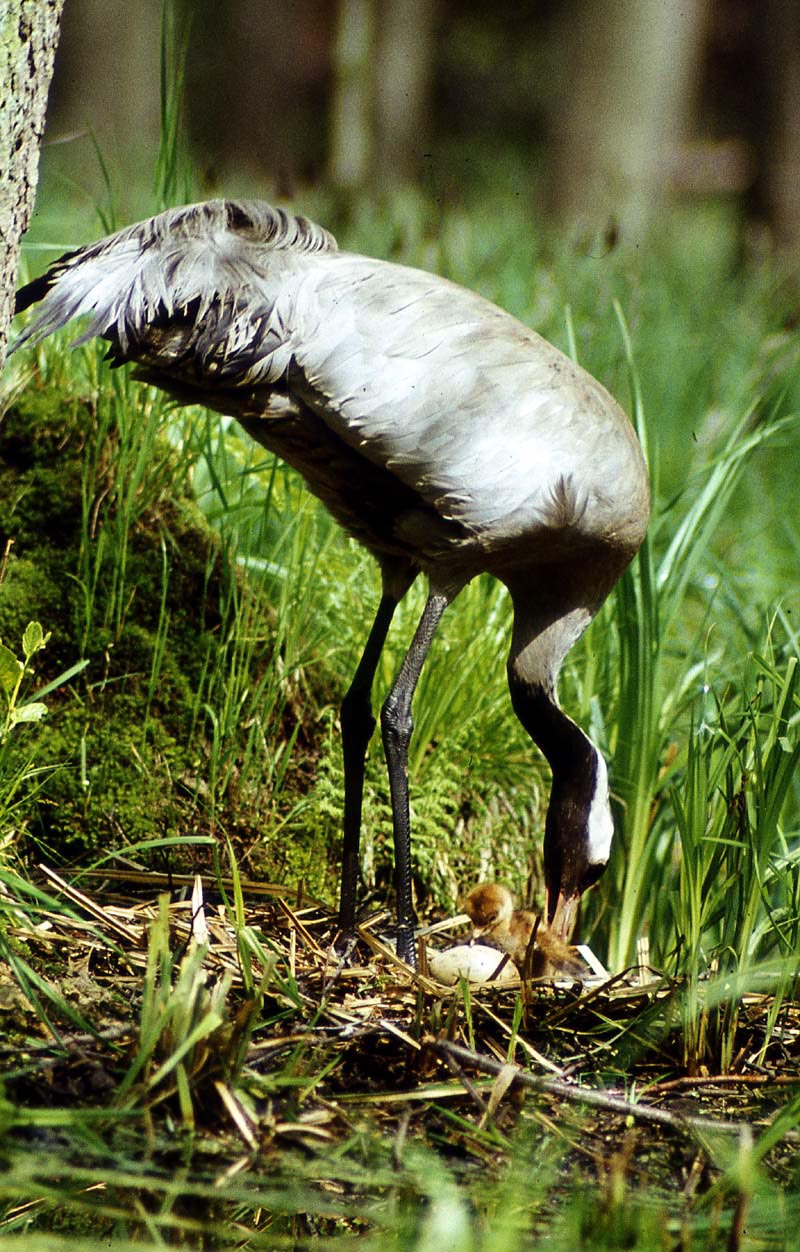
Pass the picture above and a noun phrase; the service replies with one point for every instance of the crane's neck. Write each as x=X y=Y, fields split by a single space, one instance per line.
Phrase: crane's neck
x=569 y=752
x=538 y=646
x=579 y=826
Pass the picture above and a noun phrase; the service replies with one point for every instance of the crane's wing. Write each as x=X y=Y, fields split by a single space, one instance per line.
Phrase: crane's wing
x=461 y=401
x=202 y=271
x=255 y=312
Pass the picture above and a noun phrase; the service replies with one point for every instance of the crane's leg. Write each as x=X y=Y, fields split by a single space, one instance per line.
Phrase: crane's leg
x=397 y=725
x=357 y=727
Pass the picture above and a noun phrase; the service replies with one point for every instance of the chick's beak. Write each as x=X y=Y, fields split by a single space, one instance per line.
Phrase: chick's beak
x=562 y=917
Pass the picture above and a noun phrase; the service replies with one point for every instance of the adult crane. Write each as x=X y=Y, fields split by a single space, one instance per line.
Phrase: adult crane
x=443 y=434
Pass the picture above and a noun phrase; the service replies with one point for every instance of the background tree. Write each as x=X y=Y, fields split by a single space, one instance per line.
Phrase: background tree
x=380 y=106
x=633 y=71
x=28 y=38
x=605 y=109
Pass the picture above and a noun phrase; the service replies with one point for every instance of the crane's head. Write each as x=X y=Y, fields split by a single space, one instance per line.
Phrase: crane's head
x=577 y=839
x=490 y=908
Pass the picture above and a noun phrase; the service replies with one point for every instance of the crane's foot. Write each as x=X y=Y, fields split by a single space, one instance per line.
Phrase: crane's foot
x=400 y=936
x=344 y=945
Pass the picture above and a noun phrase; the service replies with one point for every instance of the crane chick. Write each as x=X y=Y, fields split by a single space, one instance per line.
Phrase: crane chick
x=534 y=949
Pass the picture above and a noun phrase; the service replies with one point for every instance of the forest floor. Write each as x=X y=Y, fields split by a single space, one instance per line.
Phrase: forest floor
x=213 y=1022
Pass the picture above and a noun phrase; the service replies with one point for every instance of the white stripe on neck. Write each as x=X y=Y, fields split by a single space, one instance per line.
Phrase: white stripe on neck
x=599 y=824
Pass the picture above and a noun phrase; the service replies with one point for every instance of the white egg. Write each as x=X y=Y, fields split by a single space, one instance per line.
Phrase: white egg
x=474 y=961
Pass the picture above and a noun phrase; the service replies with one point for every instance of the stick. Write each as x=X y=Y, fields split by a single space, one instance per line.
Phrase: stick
x=585 y=1095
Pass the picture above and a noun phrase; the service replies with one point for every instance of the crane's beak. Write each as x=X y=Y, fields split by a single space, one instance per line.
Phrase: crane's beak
x=562 y=920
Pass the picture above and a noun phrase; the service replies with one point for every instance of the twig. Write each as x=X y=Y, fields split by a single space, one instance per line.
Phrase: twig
x=399 y=1145
x=297 y=925
x=520 y=1040
x=101 y=915
x=469 y=1086
x=725 y=1080
x=586 y=997
x=4 y=562
x=584 y=1095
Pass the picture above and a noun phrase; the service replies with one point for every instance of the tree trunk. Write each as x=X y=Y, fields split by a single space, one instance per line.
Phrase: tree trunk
x=352 y=104
x=28 y=38
x=782 y=155
x=403 y=77
x=382 y=73
x=628 y=103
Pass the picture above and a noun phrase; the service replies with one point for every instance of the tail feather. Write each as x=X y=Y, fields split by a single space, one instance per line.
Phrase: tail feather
x=36 y=290
x=200 y=255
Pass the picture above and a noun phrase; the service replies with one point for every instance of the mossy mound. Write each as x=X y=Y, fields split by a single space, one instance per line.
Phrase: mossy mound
x=126 y=747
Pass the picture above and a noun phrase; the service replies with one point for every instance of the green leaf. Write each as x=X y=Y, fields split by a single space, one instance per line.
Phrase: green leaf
x=10 y=669
x=33 y=712
x=34 y=639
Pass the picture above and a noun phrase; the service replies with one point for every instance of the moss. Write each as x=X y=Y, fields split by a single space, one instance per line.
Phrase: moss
x=179 y=723
x=113 y=788
x=127 y=738
x=28 y=592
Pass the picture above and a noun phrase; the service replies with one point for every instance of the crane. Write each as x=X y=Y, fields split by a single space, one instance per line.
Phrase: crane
x=440 y=432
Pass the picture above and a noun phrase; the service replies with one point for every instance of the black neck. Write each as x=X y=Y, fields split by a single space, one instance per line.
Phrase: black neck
x=566 y=748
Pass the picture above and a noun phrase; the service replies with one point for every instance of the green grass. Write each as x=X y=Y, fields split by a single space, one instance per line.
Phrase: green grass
x=214 y=1115
x=683 y=620
x=217 y=614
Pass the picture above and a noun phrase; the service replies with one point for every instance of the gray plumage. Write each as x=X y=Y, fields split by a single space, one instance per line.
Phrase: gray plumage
x=443 y=434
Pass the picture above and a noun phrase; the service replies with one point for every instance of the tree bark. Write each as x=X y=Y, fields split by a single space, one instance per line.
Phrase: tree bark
x=403 y=79
x=28 y=39
x=352 y=96
x=632 y=75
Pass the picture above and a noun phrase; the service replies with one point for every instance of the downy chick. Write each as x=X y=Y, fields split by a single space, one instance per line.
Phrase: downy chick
x=496 y=922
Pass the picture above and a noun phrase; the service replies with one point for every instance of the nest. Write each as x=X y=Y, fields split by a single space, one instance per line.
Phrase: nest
x=165 y=992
